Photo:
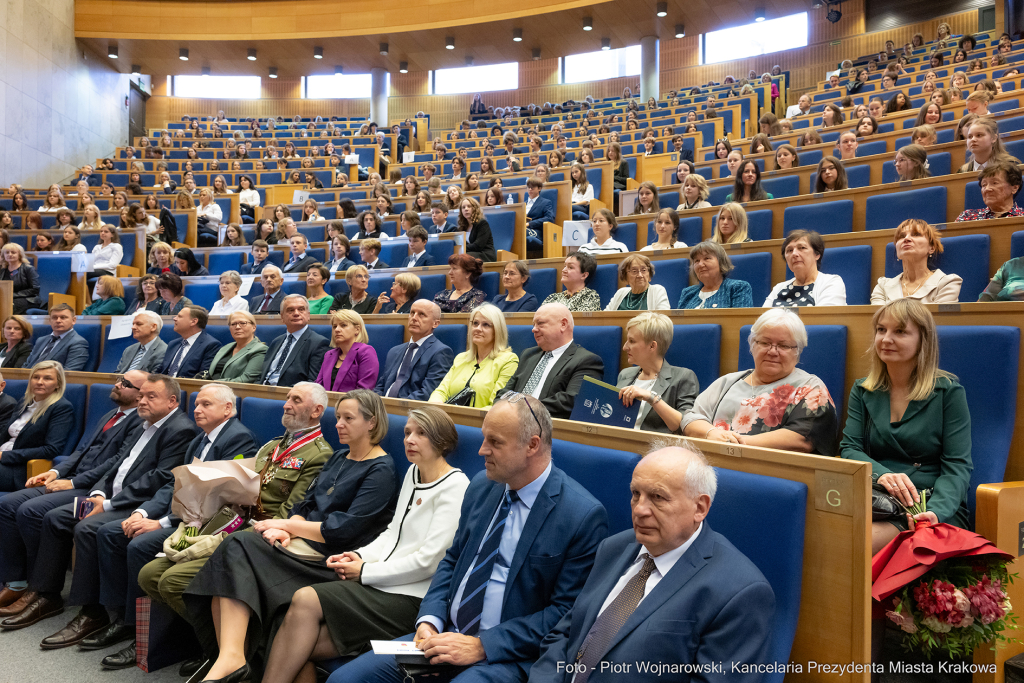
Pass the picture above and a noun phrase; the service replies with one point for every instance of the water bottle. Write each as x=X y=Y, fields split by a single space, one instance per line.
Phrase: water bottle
x=511 y=199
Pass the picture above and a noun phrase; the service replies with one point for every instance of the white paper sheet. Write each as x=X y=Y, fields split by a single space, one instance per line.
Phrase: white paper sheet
x=120 y=326
x=247 y=281
x=394 y=647
x=575 y=233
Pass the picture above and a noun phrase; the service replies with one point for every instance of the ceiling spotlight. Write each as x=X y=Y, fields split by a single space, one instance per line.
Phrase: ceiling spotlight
x=816 y=4
x=517 y=35
x=136 y=69
x=403 y=67
x=449 y=43
x=206 y=71
x=536 y=54
x=680 y=31
x=384 y=49
x=112 y=51
x=834 y=15
x=338 y=70
x=606 y=43
x=318 y=53
x=662 y=9
x=469 y=61
x=183 y=54
x=588 y=23
x=252 y=54
x=273 y=72
x=759 y=14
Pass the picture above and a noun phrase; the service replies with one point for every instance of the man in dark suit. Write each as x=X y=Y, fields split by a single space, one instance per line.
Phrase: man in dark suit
x=524 y=547
x=369 y=254
x=401 y=142
x=64 y=345
x=553 y=370
x=269 y=302
x=22 y=512
x=414 y=369
x=147 y=353
x=538 y=212
x=418 y=256
x=300 y=261
x=193 y=353
x=668 y=590
x=677 y=146
x=260 y=252
x=89 y=176
x=141 y=468
x=440 y=221
x=125 y=547
x=295 y=356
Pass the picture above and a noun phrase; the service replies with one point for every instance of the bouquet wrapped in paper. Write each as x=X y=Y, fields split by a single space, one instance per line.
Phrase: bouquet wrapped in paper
x=202 y=489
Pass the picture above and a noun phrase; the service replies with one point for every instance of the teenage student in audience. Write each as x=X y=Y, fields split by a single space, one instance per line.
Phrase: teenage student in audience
x=389 y=576
x=63 y=345
x=711 y=266
x=924 y=136
x=296 y=355
x=108 y=252
x=1000 y=182
x=369 y=253
x=13 y=354
x=404 y=291
x=747 y=186
x=424 y=358
x=248 y=196
x=804 y=419
x=917 y=244
x=809 y=138
x=646 y=198
x=910 y=421
x=847 y=145
x=786 y=157
x=299 y=261
x=538 y=212
x=578 y=269
x=185 y=264
x=54 y=200
x=695 y=193
x=39 y=426
x=930 y=113
x=309 y=211
x=759 y=144
x=350 y=362
x=439 y=221
x=731 y=225
x=479 y=241
x=109 y=297
x=684 y=169
x=604 y=226
x=22 y=513
x=976 y=103
x=418 y=256
x=452 y=199
x=268 y=303
x=666 y=227
x=463 y=271
x=171 y=291
x=866 y=124
x=553 y=371
x=582 y=192
x=516 y=299
x=230 y=282
x=485 y=367
x=620 y=168
x=803 y=251
x=357 y=299
x=240 y=360
x=832 y=115
x=147 y=297
x=340 y=247
x=192 y=353
x=667 y=392
x=911 y=163
x=733 y=162
x=831 y=175
x=370 y=227
x=147 y=353
x=639 y=295
x=71 y=240
x=983 y=145
x=23 y=276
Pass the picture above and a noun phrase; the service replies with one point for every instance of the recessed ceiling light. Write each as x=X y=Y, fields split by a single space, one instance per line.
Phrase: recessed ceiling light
x=273 y=72
x=318 y=53
x=680 y=31
x=183 y=54
x=449 y=43
x=403 y=67
x=588 y=23
x=517 y=35
x=112 y=51
x=606 y=43
x=252 y=54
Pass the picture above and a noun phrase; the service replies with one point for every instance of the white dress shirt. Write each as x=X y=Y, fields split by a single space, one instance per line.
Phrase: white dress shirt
x=108 y=257
x=133 y=455
x=250 y=197
x=273 y=377
x=555 y=355
x=418 y=345
x=211 y=211
x=237 y=303
x=186 y=346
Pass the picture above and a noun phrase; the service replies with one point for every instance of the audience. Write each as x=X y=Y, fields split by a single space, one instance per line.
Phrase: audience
x=300 y=261
x=350 y=363
x=148 y=351
x=404 y=290
x=23 y=276
x=63 y=345
x=917 y=246
x=240 y=360
x=295 y=356
x=639 y=295
x=576 y=271
x=516 y=299
x=803 y=251
x=464 y=271
x=418 y=256
x=831 y=175
x=230 y=283
x=193 y=353
x=711 y=266
x=1000 y=182
x=414 y=369
x=604 y=226
x=172 y=294
x=731 y=225
x=695 y=193
x=369 y=252
x=269 y=302
x=18 y=338
x=147 y=297
x=911 y=163
x=479 y=241
x=487 y=365
x=110 y=297
x=733 y=409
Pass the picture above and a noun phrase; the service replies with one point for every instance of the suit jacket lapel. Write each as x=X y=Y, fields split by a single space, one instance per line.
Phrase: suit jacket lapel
x=601 y=591
x=542 y=507
x=147 y=450
x=880 y=410
x=661 y=384
x=556 y=369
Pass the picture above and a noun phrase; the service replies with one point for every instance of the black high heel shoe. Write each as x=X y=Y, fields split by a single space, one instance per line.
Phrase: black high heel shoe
x=243 y=673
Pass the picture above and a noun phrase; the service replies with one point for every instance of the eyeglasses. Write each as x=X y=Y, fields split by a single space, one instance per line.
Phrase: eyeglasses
x=124 y=383
x=239 y=323
x=781 y=348
x=515 y=397
x=634 y=272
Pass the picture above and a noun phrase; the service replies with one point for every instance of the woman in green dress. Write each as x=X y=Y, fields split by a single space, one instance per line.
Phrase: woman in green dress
x=319 y=300
x=242 y=359
x=110 y=301
x=910 y=421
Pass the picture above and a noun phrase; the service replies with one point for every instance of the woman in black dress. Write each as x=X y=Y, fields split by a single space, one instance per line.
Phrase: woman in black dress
x=247 y=585
x=18 y=335
x=479 y=241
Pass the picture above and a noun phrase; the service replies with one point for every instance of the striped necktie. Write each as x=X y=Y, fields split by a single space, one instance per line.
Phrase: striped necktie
x=467 y=616
x=137 y=361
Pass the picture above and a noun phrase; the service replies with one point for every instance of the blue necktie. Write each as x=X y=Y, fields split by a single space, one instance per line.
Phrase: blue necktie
x=467 y=615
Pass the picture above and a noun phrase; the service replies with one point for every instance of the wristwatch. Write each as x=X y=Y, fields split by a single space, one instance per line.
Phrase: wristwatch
x=655 y=397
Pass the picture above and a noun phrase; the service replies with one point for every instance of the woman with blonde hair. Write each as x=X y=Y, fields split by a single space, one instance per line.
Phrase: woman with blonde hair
x=480 y=372
x=18 y=335
x=161 y=258
x=109 y=297
x=351 y=363
x=356 y=298
x=731 y=226
x=18 y=269
x=983 y=145
x=39 y=425
x=694 y=193
x=240 y=360
x=909 y=420
x=917 y=244
x=220 y=186
x=404 y=291
x=54 y=200
x=91 y=219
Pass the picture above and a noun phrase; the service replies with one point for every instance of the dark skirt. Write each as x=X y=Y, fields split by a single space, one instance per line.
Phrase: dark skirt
x=248 y=569
x=356 y=614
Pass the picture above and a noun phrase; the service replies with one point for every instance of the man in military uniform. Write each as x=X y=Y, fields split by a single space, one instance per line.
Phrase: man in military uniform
x=287 y=466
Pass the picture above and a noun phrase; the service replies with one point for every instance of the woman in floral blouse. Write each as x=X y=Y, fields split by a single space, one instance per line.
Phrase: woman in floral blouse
x=463 y=297
x=775 y=405
x=579 y=269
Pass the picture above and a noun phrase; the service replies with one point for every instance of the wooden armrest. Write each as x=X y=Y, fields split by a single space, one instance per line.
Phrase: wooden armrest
x=180 y=245
x=595 y=206
x=506 y=255
x=632 y=184
x=553 y=241
x=56 y=299
x=35 y=467
x=128 y=271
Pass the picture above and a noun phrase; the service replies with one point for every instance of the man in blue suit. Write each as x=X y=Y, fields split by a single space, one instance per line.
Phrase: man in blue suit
x=193 y=353
x=260 y=260
x=418 y=257
x=125 y=547
x=64 y=345
x=414 y=369
x=538 y=212
x=524 y=547
x=440 y=221
x=89 y=176
x=668 y=590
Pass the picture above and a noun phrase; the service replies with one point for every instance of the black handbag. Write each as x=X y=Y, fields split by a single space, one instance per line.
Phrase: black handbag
x=883 y=505
x=467 y=396
x=418 y=669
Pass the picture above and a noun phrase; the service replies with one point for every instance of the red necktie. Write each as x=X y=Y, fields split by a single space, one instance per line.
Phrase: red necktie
x=113 y=421
x=266 y=302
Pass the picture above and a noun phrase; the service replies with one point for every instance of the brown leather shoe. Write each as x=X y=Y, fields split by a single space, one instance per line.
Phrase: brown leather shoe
x=7 y=596
x=39 y=609
x=77 y=630
x=19 y=605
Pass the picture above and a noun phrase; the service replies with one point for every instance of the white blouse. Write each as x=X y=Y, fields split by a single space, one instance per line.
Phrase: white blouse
x=211 y=211
x=15 y=429
x=49 y=209
x=107 y=257
x=250 y=197
x=677 y=245
x=580 y=197
x=238 y=303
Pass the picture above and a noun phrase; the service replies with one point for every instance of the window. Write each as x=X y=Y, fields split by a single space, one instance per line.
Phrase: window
x=603 y=64
x=218 y=87
x=338 y=86
x=784 y=33
x=476 y=79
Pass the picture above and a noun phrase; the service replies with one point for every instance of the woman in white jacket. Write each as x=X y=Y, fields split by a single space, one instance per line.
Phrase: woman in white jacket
x=640 y=295
x=380 y=586
x=803 y=250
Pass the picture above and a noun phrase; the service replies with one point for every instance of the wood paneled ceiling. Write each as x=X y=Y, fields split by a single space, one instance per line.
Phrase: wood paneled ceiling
x=555 y=33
